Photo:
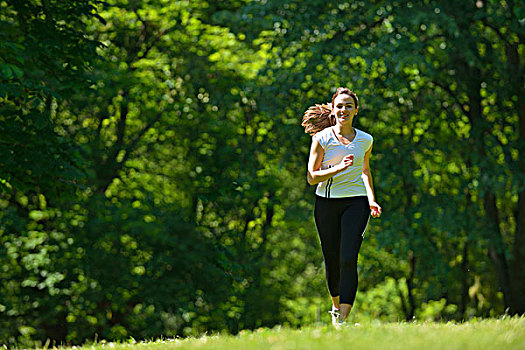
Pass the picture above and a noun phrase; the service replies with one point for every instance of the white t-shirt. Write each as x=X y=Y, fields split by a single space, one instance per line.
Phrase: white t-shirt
x=347 y=183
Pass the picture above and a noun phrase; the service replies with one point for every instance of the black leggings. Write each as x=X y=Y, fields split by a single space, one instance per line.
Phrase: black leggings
x=341 y=224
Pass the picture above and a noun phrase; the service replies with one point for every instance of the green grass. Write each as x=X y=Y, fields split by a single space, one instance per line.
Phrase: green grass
x=491 y=334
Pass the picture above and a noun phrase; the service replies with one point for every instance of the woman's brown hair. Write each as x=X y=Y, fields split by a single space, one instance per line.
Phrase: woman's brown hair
x=319 y=117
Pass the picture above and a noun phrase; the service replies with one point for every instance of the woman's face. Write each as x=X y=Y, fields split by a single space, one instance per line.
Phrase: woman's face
x=344 y=108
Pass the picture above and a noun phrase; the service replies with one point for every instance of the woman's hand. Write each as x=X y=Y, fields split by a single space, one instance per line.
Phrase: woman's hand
x=346 y=162
x=315 y=174
x=375 y=209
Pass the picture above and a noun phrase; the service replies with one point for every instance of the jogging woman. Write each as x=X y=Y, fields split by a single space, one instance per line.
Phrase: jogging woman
x=339 y=166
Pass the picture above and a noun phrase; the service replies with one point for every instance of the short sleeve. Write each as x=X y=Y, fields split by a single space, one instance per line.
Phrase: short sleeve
x=322 y=138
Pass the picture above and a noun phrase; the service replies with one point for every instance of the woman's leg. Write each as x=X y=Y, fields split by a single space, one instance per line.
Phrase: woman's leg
x=335 y=302
x=327 y=220
x=353 y=225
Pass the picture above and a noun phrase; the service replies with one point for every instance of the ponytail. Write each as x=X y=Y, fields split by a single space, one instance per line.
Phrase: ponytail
x=317 y=118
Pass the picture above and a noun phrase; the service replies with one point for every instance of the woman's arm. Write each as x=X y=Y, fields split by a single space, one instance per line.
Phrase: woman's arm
x=367 y=179
x=315 y=175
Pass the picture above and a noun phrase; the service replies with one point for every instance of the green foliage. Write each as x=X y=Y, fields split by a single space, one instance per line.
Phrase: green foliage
x=382 y=302
x=153 y=165
x=43 y=58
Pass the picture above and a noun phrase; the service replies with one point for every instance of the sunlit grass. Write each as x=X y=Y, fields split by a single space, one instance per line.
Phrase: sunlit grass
x=506 y=333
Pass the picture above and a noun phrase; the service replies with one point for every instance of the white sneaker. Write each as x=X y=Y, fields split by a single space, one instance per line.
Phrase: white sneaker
x=335 y=316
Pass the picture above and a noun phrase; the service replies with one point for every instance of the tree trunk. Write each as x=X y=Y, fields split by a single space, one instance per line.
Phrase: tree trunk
x=464 y=281
x=411 y=305
x=496 y=246
x=517 y=300
x=402 y=298
x=517 y=266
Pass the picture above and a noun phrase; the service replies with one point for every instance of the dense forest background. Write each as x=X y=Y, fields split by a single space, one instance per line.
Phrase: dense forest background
x=153 y=166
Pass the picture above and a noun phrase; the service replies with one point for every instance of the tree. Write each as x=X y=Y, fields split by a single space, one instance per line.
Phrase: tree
x=409 y=61
x=45 y=55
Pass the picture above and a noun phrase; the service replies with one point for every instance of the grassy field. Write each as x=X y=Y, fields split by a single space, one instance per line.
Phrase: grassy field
x=486 y=334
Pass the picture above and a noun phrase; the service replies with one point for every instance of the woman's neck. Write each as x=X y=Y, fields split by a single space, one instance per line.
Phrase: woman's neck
x=345 y=130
